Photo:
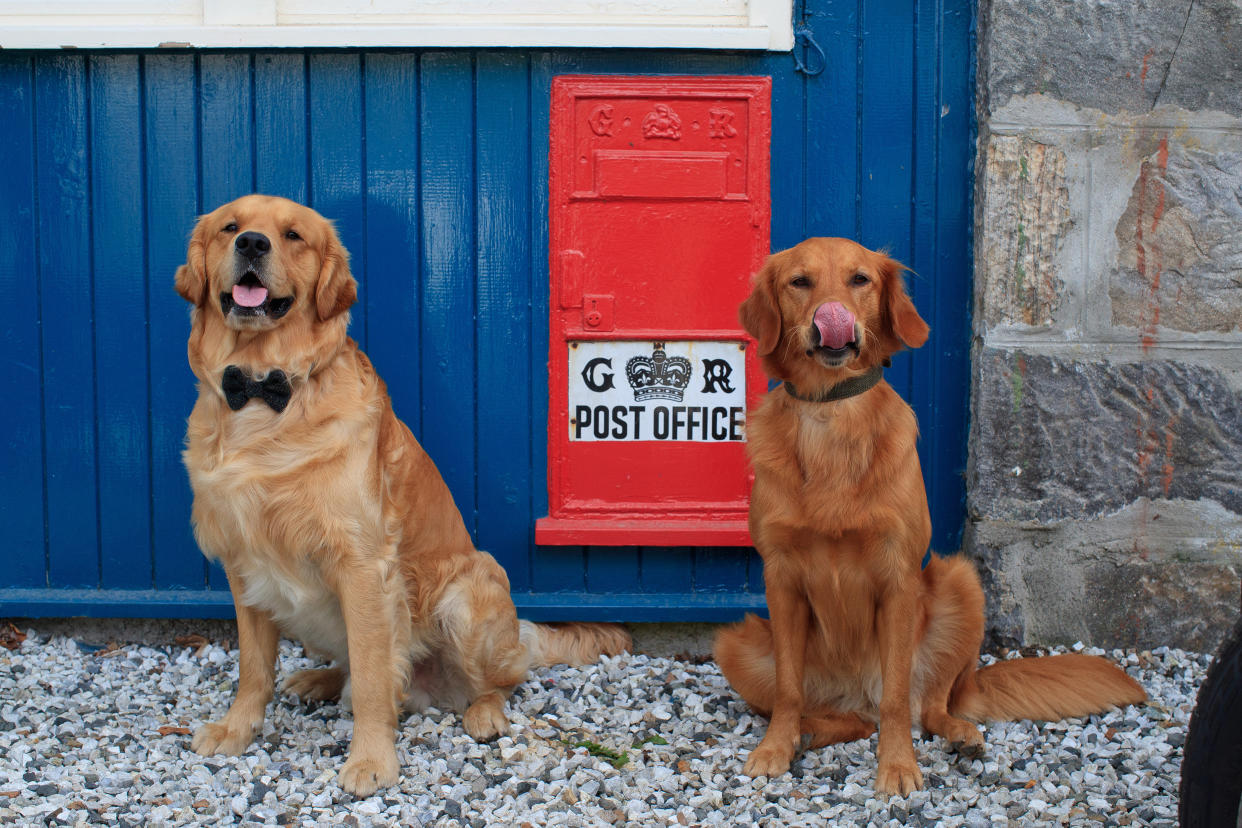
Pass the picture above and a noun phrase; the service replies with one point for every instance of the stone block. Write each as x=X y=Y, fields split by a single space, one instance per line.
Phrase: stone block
x=1026 y=213
x=1174 y=603
x=1054 y=439
x=1155 y=573
x=1179 y=246
x=1115 y=55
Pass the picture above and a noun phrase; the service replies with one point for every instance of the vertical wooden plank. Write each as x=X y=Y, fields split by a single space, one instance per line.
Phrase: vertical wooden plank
x=924 y=385
x=616 y=569
x=667 y=570
x=449 y=341
x=505 y=385
x=832 y=118
x=754 y=574
x=551 y=568
x=719 y=569
x=886 y=114
x=22 y=448
x=121 y=314
x=172 y=204
x=392 y=275
x=226 y=128
x=337 y=161
x=280 y=138
x=951 y=276
x=788 y=181
x=67 y=289
x=560 y=569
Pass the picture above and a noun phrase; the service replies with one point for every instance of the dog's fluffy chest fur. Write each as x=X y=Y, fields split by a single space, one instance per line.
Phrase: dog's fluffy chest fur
x=271 y=492
x=841 y=453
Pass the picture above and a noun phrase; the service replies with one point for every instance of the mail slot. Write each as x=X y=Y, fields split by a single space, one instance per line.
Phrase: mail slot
x=659 y=214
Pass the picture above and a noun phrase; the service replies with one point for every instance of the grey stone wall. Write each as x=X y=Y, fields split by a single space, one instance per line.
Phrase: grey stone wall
x=1105 y=477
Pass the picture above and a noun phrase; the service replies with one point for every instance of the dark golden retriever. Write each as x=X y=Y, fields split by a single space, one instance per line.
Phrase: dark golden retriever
x=333 y=524
x=861 y=632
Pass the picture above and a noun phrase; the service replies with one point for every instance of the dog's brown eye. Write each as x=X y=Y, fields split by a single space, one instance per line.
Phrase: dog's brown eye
x=801 y=281
x=292 y=235
x=231 y=227
x=859 y=279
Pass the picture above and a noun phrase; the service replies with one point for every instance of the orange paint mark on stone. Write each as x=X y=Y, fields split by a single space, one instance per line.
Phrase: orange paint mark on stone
x=1166 y=471
x=1149 y=258
x=1146 y=445
x=1140 y=250
x=1162 y=161
x=1146 y=60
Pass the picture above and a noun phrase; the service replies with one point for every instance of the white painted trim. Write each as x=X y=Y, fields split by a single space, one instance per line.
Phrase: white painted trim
x=255 y=24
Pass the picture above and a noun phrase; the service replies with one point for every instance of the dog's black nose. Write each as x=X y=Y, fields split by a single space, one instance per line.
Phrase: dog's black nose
x=252 y=245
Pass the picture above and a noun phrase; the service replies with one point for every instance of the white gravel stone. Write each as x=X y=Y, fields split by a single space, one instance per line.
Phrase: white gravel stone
x=102 y=736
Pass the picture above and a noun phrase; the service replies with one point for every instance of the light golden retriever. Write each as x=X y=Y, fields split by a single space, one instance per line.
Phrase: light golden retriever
x=864 y=630
x=333 y=524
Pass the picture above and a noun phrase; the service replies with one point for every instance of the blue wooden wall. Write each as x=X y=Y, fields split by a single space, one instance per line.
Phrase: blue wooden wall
x=434 y=166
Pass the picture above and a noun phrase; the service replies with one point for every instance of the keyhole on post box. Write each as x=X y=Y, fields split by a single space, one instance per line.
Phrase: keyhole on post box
x=597 y=312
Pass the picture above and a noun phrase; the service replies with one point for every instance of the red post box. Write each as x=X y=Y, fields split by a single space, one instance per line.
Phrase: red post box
x=659 y=214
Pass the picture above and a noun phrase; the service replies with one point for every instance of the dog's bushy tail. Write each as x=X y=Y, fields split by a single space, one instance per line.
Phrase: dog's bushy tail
x=574 y=644
x=1045 y=689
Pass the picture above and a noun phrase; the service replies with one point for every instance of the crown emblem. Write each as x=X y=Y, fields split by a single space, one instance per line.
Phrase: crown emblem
x=659 y=376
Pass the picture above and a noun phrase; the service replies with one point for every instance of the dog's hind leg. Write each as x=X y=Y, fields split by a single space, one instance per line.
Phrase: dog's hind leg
x=484 y=644
x=830 y=728
x=319 y=684
x=949 y=649
x=962 y=736
x=744 y=653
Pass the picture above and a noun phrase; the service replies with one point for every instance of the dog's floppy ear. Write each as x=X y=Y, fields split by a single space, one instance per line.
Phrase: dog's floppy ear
x=903 y=319
x=191 y=280
x=759 y=313
x=336 y=290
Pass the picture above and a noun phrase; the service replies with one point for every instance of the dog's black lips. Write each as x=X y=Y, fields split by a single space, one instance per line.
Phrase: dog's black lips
x=835 y=353
x=271 y=308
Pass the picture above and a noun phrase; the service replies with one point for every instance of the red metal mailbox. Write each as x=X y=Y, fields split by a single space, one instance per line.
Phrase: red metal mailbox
x=659 y=214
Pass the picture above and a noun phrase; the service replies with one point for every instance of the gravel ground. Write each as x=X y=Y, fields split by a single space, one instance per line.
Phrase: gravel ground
x=90 y=735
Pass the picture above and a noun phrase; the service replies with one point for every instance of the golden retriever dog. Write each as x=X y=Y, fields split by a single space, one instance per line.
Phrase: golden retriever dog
x=865 y=631
x=333 y=524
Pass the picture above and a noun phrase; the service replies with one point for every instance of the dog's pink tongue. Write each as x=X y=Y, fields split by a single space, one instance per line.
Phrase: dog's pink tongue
x=835 y=324
x=249 y=296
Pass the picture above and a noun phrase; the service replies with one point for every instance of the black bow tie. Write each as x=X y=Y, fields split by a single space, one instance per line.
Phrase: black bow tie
x=239 y=389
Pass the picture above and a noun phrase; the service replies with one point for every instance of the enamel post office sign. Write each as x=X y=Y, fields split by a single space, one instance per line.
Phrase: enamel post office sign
x=659 y=213
x=657 y=391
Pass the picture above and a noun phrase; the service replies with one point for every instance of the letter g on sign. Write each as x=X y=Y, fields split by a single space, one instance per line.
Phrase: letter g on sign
x=593 y=378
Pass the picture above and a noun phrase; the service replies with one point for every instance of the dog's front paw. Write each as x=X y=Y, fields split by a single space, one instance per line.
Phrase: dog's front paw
x=898 y=777
x=364 y=775
x=767 y=760
x=222 y=737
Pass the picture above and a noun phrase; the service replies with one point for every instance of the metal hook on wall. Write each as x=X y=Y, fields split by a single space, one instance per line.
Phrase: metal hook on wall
x=806 y=37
